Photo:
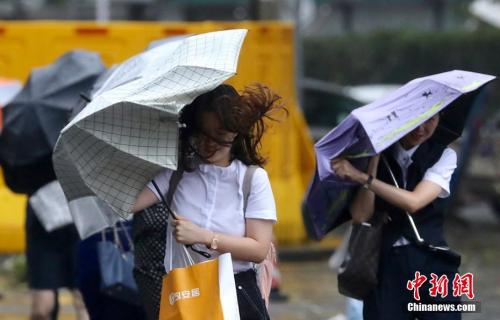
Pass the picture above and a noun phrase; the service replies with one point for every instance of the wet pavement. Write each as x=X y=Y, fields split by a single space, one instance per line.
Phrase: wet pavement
x=312 y=287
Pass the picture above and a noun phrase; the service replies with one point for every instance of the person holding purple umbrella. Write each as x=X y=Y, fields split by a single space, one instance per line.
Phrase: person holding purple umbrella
x=423 y=169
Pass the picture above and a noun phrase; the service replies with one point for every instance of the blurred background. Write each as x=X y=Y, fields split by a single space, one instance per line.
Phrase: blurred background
x=326 y=57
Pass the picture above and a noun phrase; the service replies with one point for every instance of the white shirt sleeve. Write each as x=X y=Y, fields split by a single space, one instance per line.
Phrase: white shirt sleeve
x=162 y=180
x=440 y=173
x=261 y=203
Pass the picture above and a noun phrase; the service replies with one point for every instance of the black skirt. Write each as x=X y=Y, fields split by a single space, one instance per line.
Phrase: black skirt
x=250 y=302
x=50 y=256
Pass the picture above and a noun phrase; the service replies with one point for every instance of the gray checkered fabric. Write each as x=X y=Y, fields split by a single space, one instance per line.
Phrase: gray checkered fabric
x=128 y=133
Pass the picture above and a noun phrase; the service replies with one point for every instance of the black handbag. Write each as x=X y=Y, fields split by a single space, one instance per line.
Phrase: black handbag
x=357 y=274
x=116 y=266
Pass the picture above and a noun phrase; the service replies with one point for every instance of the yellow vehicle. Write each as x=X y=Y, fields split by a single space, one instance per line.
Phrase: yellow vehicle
x=267 y=56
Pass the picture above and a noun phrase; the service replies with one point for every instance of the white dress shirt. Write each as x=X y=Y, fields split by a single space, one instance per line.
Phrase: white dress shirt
x=440 y=173
x=212 y=198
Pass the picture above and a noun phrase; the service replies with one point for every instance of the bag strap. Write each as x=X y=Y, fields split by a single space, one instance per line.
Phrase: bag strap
x=266 y=267
x=247 y=185
x=116 y=236
x=172 y=185
x=418 y=238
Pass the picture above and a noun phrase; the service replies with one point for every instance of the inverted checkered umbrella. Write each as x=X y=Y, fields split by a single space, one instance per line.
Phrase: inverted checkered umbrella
x=128 y=133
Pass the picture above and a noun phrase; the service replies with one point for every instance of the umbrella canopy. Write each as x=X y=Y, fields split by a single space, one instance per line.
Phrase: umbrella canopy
x=91 y=214
x=373 y=128
x=35 y=117
x=129 y=131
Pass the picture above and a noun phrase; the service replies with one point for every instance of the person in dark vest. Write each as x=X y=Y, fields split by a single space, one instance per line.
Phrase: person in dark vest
x=423 y=170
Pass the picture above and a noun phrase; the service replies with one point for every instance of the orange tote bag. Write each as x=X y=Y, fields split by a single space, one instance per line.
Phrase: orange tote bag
x=200 y=291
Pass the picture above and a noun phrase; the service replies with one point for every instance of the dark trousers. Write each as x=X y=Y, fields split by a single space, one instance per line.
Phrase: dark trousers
x=250 y=302
x=389 y=300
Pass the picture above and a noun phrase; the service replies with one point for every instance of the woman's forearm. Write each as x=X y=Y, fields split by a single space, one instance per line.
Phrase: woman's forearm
x=243 y=248
x=424 y=193
x=363 y=204
x=251 y=247
x=411 y=201
x=400 y=198
x=144 y=200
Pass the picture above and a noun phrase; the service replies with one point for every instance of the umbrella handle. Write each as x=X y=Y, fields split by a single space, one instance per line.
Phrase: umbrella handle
x=171 y=212
x=418 y=238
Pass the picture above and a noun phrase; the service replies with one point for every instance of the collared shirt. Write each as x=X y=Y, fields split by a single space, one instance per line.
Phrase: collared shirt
x=212 y=198
x=440 y=173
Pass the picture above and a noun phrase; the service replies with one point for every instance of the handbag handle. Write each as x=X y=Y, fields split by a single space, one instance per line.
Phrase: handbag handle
x=116 y=237
x=127 y=235
x=190 y=260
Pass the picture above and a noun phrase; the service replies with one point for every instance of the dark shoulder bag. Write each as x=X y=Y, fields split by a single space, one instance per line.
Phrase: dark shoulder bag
x=357 y=275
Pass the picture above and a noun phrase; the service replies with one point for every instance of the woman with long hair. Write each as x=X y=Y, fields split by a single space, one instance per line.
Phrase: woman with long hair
x=220 y=140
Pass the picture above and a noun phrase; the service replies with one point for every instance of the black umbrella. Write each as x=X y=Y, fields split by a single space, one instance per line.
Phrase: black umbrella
x=35 y=117
x=88 y=95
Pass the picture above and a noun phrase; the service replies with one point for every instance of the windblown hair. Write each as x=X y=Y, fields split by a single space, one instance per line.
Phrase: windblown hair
x=243 y=114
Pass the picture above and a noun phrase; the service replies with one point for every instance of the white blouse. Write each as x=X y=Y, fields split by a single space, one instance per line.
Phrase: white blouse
x=212 y=198
x=440 y=173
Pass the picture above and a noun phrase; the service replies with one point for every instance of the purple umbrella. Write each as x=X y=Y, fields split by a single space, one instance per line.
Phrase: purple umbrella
x=370 y=129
